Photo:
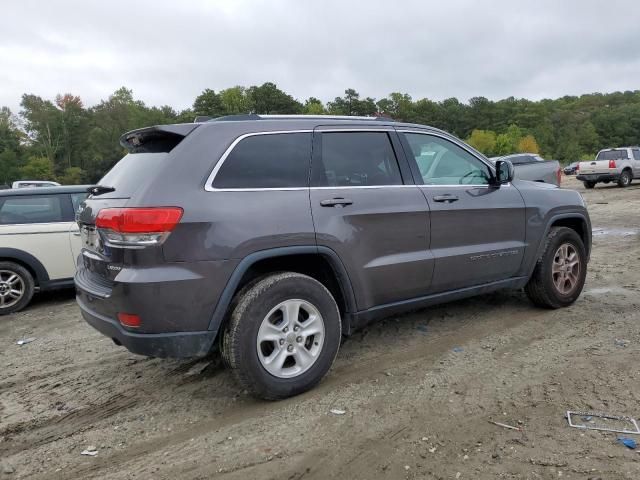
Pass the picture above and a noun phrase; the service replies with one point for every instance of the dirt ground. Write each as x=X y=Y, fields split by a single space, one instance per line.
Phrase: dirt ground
x=418 y=391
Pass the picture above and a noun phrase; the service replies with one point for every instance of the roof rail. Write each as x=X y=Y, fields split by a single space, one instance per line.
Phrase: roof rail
x=254 y=116
x=324 y=117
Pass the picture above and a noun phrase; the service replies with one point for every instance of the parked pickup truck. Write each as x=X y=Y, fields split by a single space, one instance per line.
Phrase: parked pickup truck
x=531 y=166
x=619 y=165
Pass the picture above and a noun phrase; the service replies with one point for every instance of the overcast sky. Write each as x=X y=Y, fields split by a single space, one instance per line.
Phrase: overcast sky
x=168 y=51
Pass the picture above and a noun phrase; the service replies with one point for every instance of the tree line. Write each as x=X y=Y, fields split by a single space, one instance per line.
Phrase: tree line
x=65 y=140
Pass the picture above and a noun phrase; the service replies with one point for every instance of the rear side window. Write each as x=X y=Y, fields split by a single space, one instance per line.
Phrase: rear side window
x=612 y=155
x=353 y=159
x=267 y=161
x=636 y=154
x=31 y=209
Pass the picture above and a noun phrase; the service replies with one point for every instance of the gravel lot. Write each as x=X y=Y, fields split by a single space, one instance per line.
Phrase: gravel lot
x=418 y=391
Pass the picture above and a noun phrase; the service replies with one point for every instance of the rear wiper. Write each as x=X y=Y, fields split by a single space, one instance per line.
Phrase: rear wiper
x=100 y=189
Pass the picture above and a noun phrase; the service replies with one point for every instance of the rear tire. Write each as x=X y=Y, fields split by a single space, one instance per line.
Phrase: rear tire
x=589 y=185
x=283 y=335
x=16 y=287
x=625 y=179
x=560 y=272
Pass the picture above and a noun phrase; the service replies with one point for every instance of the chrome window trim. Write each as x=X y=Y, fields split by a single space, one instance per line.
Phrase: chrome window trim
x=208 y=186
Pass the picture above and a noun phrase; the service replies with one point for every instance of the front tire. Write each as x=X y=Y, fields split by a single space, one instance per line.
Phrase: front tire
x=283 y=335
x=625 y=179
x=589 y=185
x=560 y=272
x=16 y=287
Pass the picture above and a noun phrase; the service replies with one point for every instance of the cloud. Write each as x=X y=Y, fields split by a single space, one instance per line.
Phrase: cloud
x=168 y=52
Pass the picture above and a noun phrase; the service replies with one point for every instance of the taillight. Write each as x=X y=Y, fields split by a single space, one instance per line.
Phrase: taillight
x=129 y=320
x=577 y=167
x=612 y=164
x=137 y=227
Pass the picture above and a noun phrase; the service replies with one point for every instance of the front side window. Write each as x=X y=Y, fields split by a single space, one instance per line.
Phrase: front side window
x=442 y=162
x=267 y=161
x=356 y=159
x=31 y=209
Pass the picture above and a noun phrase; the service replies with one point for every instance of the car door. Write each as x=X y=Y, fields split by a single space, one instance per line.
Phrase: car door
x=367 y=209
x=477 y=230
x=39 y=225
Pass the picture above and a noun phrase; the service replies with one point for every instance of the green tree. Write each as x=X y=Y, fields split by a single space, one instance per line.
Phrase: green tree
x=483 y=140
x=72 y=176
x=235 y=100
x=313 y=106
x=208 y=103
x=37 y=168
x=269 y=99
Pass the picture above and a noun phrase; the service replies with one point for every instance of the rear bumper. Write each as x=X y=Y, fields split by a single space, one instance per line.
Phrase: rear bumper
x=598 y=177
x=174 y=344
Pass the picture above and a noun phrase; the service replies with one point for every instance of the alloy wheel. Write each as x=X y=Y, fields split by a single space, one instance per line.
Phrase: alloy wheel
x=566 y=268
x=290 y=338
x=12 y=288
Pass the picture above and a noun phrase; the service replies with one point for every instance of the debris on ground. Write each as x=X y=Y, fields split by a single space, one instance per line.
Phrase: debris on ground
x=422 y=328
x=458 y=349
x=628 y=442
x=90 y=451
x=504 y=425
x=337 y=411
x=7 y=469
x=610 y=423
x=24 y=341
x=621 y=342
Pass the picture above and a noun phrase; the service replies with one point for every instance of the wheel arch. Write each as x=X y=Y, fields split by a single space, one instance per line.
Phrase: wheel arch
x=575 y=221
x=320 y=263
x=28 y=261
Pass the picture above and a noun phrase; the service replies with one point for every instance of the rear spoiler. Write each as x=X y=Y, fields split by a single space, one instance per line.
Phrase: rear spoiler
x=159 y=138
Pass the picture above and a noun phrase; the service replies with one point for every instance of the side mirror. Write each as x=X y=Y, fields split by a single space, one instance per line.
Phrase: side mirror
x=504 y=172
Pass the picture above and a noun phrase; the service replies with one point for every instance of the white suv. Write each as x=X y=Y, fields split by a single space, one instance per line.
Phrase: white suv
x=39 y=242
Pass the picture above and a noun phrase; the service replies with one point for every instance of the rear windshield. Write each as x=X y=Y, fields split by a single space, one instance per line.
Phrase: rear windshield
x=127 y=175
x=612 y=155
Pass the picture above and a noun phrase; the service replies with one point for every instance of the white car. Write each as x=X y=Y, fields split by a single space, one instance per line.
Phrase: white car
x=39 y=242
x=34 y=183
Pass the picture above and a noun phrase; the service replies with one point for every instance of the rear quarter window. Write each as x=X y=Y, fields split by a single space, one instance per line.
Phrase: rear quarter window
x=31 y=209
x=267 y=161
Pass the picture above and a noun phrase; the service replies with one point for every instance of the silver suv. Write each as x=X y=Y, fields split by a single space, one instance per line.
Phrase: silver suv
x=271 y=237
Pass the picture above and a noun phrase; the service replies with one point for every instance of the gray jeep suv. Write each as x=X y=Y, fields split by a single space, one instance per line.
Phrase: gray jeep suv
x=271 y=237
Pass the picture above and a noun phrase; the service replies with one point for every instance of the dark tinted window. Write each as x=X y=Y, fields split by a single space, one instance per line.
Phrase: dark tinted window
x=354 y=159
x=130 y=171
x=636 y=154
x=31 y=209
x=267 y=161
x=612 y=155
